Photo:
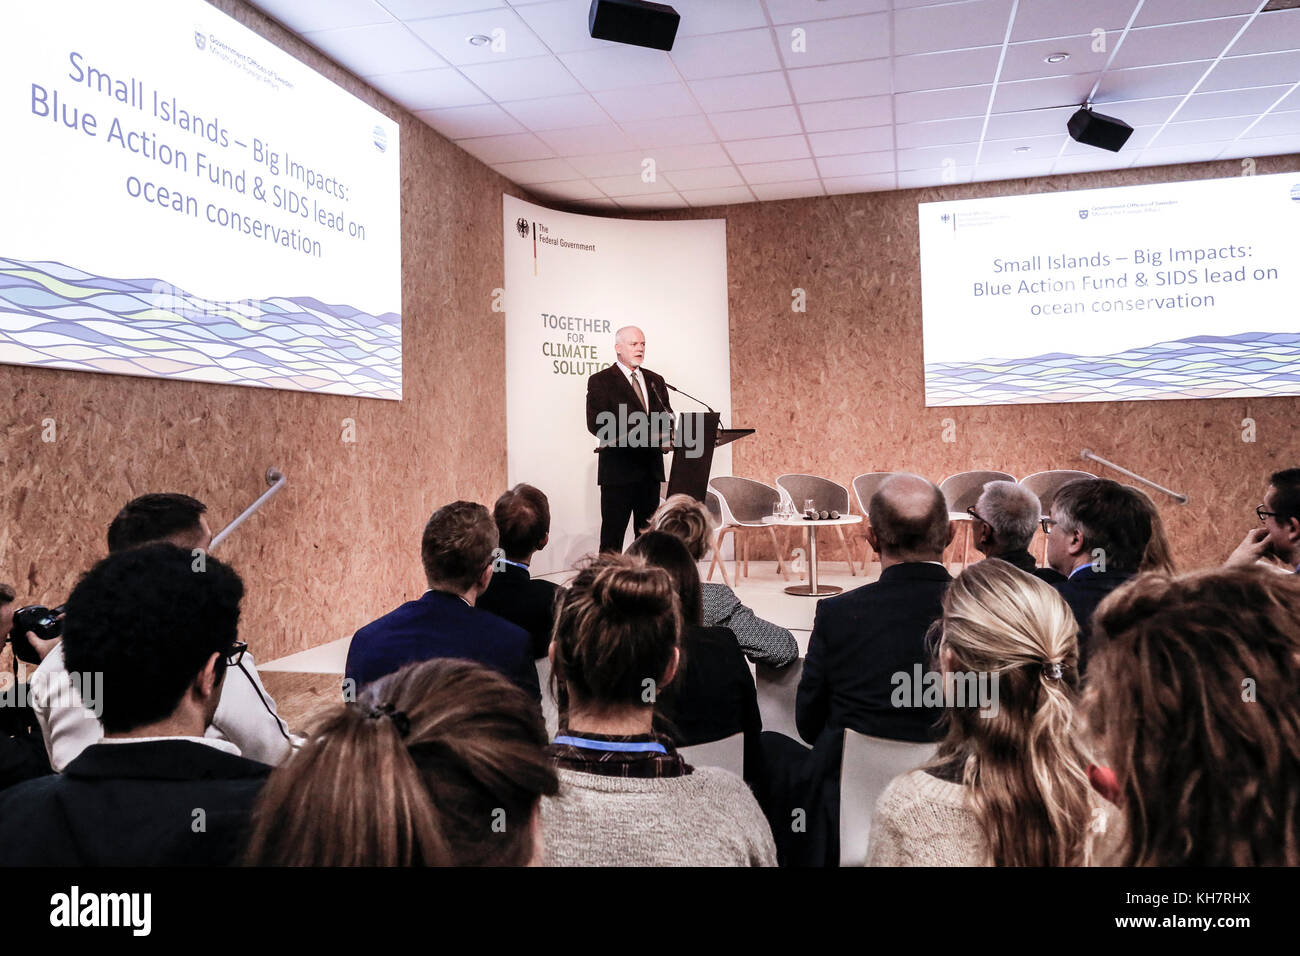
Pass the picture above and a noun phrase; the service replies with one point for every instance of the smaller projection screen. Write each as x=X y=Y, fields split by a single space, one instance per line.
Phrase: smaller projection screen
x=1175 y=290
x=183 y=199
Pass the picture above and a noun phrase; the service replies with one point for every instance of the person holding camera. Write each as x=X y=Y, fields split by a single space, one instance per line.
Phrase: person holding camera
x=22 y=750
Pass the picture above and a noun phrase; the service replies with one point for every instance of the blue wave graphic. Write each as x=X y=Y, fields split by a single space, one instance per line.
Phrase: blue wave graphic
x=1200 y=366
x=57 y=316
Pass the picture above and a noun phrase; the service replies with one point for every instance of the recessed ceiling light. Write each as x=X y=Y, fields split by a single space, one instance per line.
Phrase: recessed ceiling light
x=1056 y=58
x=478 y=39
x=1022 y=149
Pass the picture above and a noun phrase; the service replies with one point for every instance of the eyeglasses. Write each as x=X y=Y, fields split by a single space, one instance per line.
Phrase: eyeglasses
x=971 y=512
x=1265 y=514
x=236 y=653
x=1047 y=525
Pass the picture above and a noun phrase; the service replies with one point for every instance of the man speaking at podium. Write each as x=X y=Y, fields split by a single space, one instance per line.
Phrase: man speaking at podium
x=629 y=411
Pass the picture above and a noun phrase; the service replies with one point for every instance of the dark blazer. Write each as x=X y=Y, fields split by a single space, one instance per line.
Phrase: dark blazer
x=860 y=639
x=1023 y=560
x=1085 y=589
x=714 y=697
x=514 y=595
x=606 y=391
x=133 y=804
x=441 y=624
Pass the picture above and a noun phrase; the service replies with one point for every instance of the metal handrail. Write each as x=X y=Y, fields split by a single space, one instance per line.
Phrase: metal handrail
x=1180 y=498
x=276 y=480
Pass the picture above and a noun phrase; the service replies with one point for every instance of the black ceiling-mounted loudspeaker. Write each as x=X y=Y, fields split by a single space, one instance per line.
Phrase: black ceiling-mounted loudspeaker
x=1094 y=129
x=637 y=22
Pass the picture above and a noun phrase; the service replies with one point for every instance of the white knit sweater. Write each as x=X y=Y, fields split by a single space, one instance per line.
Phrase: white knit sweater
x=921 y=820
x=706 y=818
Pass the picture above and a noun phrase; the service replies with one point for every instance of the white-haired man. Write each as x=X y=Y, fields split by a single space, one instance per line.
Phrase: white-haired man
x=1004 y=521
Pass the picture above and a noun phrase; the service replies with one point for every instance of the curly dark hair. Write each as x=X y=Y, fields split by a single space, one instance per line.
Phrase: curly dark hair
x=148 y=619
x=1193 y=694
x=153 y=517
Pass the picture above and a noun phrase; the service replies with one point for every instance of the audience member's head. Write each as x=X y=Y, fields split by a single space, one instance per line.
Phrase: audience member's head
x=617 y=630
x=1022 y=758
x=178 y=519
x=523 y=519
x=457 y=549
x=160 y=631
x=7 y=609
x=685 y=518
x=663 y=550
x=1099 y=522
x=1008 y=517
x=1283 y=501
x=909 y=520
x=1159 y=555
x=442 y=763
x=1194 y=690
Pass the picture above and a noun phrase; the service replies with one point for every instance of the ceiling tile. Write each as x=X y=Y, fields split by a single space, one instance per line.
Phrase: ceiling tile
x=667 y=200
x=847 y=114
x=1014 y=169
x=1264 y=69
x=323 y=14
x=1201 y=131
x=920 y=178
x=1276 y=124
x=753 y=124
x=841 y=142
x=506 y=149
x=557 y=112
x=1267 y=145
x=950 y=27
x=834 y=41
x=1140 y=112
x=536 y=171
x=1028 y=61
x=522 y=79
x=619 y=67
x=561 y=25
x=574 y=189
x=630 y=185
x=705 y=178
x=1173 y=79
x=741 y=92
x=770 y=149
x=1028 y=123
x=772 y=192
x=1176 y=11
x=511 y=38
x=462 y=122
x=865 y=78
x=839 y=185
x=419 y=9
x=1231 y=103
x=699 y=156
x=1270 y=32
x=941 y=104
x=941 y=132
x=374 y=50
x=717 y=197
x=788 y=171
x=937 y=157
x=1040 y=19
x=715 y=16
x=725 y=54
x=587 y=140
x=428 y=89
x=648 y=102
x=1176 y=43
x=1169 y=155
x=610 y=164
x=859 y=165
x=939 y=71
x=1092 y=162
x=671 y=131
x=1042 y=94
x=1041 y=148
x=799 y=11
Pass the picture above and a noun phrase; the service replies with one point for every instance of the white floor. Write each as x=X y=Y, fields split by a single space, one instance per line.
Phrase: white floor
x=763 y=591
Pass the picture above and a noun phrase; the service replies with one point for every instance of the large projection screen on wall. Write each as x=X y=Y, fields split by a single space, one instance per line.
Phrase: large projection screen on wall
x=1174 y=290
x=183 y=199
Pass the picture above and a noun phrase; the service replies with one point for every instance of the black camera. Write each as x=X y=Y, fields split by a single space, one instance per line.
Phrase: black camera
x=44 y=622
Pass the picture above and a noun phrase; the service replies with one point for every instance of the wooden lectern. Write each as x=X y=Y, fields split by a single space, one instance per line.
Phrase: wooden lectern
x=690 y=475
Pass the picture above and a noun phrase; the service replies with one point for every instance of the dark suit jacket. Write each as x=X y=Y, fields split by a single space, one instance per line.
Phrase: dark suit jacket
x=1023 y=560
x=1085 y=589
x=609 y=389
x=513 y=595
x=714 y=697
x=132 y=804
x=860 y=639
x=441 y=624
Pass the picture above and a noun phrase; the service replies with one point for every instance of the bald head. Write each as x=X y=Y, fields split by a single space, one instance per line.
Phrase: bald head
x=909 y=519
x=629 y=346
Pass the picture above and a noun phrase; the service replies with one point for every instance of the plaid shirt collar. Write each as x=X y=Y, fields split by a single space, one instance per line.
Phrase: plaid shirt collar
x=634 y=755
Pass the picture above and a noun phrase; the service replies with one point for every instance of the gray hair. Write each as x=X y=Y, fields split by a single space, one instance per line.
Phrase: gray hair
x=1012 y=511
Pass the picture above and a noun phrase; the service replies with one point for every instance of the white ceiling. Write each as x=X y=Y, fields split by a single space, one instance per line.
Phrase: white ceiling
x=885 y=95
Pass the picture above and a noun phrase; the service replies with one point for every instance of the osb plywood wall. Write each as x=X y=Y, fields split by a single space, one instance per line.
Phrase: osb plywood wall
x=839 y=390
x=340 y=544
